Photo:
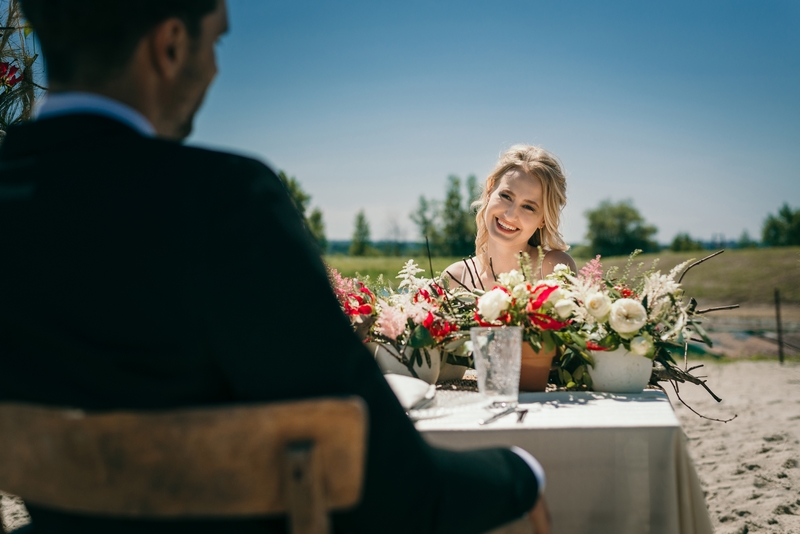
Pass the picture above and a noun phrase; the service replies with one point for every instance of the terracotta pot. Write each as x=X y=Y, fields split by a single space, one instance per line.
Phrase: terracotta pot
x=534 y=369
x=620 y=371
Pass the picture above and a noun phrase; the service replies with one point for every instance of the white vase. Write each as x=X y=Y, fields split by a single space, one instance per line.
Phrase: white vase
x=388 y=360
x=620 y=371
x=451 y=371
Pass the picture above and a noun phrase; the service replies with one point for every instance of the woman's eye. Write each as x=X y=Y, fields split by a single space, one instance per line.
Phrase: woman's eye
x=529 y=208
x=505 y=196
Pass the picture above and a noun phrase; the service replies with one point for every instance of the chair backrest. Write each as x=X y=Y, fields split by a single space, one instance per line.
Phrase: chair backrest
x=302 y=458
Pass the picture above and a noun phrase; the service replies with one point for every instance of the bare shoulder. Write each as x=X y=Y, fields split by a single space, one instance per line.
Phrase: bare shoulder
x=455 y=271
x=553 y=258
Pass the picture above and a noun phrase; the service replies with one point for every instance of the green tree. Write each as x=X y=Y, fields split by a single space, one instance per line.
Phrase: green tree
x=745 y=241
x=783 y=229
x=458 y=223
x=301 y=199
x=359 y=245
x=449 y=225
x=684 y=242
x=617 y=229
x=317 y=228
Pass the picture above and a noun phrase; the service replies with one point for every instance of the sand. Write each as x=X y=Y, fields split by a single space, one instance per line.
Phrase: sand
x=749 y=467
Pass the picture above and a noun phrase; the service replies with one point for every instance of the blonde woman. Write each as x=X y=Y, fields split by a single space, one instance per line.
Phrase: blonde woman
x=519 y=211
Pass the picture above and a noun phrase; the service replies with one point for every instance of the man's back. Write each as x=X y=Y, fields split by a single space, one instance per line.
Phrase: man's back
x=139 y=273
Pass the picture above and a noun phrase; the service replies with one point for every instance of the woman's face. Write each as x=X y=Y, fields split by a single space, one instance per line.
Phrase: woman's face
x=515 y=209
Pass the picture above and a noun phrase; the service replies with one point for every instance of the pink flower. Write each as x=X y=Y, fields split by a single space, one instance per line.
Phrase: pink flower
x=391 y=322
x=592 y=271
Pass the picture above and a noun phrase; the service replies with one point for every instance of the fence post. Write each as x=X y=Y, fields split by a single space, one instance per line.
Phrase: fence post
x=778 y=320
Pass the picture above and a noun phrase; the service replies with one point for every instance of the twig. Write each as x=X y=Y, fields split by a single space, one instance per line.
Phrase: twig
x=430 y=261
x=453 y=278
x=717 y=308
x=677 y=394
x=673 y=373
x=698 y=262
x=471 y=278
x=472 y=259
x=492 y=269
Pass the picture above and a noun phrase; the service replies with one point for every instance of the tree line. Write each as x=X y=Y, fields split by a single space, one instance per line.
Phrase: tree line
x=613 y=228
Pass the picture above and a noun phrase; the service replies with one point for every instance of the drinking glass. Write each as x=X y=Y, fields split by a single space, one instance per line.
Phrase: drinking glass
x=498 y=353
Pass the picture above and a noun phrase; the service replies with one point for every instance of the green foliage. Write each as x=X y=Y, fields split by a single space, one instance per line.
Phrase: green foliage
x=449 y=225
x=783 y=229
x=317 y=228
x=683 y=242
x=745 y=241
x=20 y=87
x=301 y=200
x=359 y=245
x=618 y=228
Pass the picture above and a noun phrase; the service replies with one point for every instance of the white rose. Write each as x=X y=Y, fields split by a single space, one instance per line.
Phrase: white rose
x=641 y=345
x=598 y=305
x=511 y=278
x=492 y=304
x=520 y=291
x=564 y=308
x=627 y=317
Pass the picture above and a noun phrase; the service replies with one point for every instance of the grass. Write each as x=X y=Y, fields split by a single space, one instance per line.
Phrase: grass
x=736 y=276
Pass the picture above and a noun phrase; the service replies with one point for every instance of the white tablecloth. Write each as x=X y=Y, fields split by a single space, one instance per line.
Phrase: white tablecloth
x=614 y=463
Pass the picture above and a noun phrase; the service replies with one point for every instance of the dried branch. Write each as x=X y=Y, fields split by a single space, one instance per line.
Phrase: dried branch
x=472 y=259
x=717 y=308
x=677 y=394
x=491 y=267
x=430 y=261
x=453 y=278
x=471 y=278
x=698 y=262
x=676 y=374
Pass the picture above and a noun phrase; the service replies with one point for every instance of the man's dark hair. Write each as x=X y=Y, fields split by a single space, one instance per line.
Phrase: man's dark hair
x=96 y=38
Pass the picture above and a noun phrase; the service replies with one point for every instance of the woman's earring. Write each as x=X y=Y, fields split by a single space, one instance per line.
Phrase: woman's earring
x=536 y=238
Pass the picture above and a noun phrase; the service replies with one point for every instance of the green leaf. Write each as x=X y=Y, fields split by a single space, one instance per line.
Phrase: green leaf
x=549 y=344
x=420 y=337
x=701 y=331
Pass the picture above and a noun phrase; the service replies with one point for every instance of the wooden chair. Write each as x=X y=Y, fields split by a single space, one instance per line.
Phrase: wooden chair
x=302 y=458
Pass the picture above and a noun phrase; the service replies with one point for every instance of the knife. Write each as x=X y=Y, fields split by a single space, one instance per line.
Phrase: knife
x=495 y=417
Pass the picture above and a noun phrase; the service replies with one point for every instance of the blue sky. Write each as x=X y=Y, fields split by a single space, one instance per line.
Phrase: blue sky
x=690 y=109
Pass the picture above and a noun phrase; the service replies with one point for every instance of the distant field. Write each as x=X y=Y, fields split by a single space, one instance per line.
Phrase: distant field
x=736 y=276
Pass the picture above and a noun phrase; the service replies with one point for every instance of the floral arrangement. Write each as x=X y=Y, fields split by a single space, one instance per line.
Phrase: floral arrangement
x=646 y=315
x=417 y=315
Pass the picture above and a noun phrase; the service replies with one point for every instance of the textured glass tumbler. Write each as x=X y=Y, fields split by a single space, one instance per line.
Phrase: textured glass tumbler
x=498 y=353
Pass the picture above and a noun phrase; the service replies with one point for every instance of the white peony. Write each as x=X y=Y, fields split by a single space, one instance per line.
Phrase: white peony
x=641 y=345
x=564 y=308
x=598 y=305
x=493 y=303
x=627 y=317
x=511 y=278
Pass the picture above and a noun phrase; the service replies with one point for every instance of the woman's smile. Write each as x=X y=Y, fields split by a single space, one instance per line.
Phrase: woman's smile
x=505 y=227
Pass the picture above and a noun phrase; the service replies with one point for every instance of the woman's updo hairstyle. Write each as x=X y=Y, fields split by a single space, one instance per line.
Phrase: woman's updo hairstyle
x=533 y=161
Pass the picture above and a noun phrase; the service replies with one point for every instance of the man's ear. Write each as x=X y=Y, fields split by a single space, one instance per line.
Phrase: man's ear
x=169 y=44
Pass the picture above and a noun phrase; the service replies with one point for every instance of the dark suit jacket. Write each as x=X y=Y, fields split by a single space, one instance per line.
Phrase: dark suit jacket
x=137 y=273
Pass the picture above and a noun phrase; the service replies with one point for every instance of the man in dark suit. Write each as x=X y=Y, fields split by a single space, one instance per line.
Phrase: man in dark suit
x=138 y=273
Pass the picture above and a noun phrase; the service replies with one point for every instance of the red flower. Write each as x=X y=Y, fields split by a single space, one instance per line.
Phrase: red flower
x=625 y=292
x=8 y=75
x=545 y=322
x=541 y=299
x=591 y=345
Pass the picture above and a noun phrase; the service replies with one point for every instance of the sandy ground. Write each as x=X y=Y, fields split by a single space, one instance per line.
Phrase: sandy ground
x=749 y=467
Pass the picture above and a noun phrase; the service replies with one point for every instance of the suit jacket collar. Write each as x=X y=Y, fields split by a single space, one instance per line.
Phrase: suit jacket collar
x=63 y=133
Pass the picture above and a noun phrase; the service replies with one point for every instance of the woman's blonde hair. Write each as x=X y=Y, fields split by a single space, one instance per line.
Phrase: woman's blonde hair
x=534 y=161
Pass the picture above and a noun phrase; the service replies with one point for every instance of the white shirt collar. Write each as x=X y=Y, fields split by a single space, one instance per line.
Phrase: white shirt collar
x=73 y=102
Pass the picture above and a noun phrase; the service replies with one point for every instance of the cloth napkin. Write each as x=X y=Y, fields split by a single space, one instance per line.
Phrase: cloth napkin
x=410 y=391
